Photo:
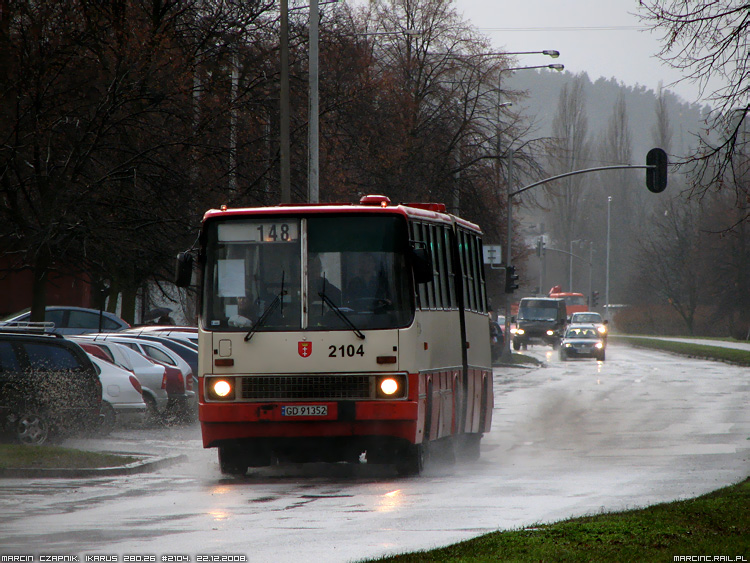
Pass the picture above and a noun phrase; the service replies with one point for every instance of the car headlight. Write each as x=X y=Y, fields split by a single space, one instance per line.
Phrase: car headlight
x=568 y=345
x=550 y=332
x=220 y=388
x=518 y=331
x=599 y=345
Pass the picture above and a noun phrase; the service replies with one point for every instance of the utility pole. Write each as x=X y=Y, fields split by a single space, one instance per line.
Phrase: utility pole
x=284 y=110
x=313 y=133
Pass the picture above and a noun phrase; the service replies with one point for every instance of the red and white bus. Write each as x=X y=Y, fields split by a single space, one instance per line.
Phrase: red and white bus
x=341 y=332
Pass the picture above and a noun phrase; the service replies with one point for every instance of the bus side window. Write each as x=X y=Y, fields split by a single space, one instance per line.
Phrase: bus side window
x=441 y=266
x=436 y=273
x=450 y=268
x=481 y=284
x=423 y=289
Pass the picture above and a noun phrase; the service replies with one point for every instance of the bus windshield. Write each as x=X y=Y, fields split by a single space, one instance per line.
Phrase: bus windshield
x=315 y=273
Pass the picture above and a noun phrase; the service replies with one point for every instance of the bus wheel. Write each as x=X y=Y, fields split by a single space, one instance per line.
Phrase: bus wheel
x=232 y=461
x=411 y=460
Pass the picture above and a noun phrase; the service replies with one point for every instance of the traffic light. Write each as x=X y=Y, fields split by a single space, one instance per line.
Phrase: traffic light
x=511 y=279
x=594 y=298
x=656 y=177
x=539 y=247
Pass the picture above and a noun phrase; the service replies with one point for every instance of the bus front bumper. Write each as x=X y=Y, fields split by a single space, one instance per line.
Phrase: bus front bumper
x=228 y=421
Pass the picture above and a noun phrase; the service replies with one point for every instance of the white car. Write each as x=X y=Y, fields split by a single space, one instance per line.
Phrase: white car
x=593 y=318
x=183 y=401
x=122 y=401
x=152 y=376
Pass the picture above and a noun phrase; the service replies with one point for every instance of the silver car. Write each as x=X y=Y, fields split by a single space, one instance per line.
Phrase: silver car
x=71 y=320
x=582 y=341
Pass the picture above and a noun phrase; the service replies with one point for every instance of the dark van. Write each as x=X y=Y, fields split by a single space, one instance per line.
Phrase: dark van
x=540 y=320
x=48 y=388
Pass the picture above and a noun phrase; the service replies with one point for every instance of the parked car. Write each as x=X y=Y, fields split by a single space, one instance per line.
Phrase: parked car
x=183 y=348
x=71 y=320
x=183 y=401
x=592 y=318
x=122 y=399
x=582 y=341
x=49 y=388
x=150 y=375
x=179 y=333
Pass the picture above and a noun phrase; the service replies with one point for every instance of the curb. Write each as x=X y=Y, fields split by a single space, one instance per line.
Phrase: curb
x=146 y=465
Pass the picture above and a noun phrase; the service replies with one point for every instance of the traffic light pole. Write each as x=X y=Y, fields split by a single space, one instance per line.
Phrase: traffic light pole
x=656 y=181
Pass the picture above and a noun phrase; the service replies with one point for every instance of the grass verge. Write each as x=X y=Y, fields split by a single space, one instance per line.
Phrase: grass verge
x=739 y=357
x=17 y=456
x=716 y=524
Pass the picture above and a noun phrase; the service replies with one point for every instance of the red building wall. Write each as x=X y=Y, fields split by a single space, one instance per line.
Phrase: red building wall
x=62 y=289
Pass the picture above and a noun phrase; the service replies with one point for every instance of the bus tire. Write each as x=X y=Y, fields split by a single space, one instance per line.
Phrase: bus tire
x=411 y=460
x=232 y=461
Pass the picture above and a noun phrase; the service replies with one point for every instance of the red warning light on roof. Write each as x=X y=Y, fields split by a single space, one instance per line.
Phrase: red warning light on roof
x=381 y=200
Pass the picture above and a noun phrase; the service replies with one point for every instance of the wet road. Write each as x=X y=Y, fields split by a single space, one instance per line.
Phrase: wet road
x=568 y=439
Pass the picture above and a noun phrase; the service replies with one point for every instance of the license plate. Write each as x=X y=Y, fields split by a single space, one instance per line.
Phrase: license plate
x=304 y=410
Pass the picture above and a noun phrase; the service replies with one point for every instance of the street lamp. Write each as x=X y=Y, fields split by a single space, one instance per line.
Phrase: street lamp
x=570 y=266
x=509 y=196
x=313 y=128
x=606 y=287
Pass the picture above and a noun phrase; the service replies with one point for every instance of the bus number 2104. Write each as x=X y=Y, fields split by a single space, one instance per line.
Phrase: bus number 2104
x=346 y=351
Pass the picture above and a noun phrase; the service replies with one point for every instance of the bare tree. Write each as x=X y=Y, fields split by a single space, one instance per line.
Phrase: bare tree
x=627 y=210
x=672 y=252
x=661 y=130
x=569 y=151
x=709 y=42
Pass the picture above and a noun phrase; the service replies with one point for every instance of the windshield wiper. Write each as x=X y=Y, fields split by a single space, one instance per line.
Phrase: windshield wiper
x=328 y=301
x=278 y=301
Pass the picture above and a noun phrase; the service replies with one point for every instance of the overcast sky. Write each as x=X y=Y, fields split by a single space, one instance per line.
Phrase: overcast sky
x=601 y=37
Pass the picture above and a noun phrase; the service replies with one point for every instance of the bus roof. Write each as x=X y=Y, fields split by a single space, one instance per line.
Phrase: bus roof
x=434 y=212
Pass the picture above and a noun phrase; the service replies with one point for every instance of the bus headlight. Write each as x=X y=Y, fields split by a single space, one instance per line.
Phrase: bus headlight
x=550 y=333
x=388 y=386
x=220 y=388
x=391 y=386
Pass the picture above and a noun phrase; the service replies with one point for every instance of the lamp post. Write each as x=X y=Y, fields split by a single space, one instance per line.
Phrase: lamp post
x=313 y=130
x=509 y=199
x=313 y=164
x=606 y=287
x=570 y=266
x=284 y=110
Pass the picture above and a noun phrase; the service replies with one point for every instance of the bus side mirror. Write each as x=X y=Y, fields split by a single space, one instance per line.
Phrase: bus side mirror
x=422 y=265
x=184 y=271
